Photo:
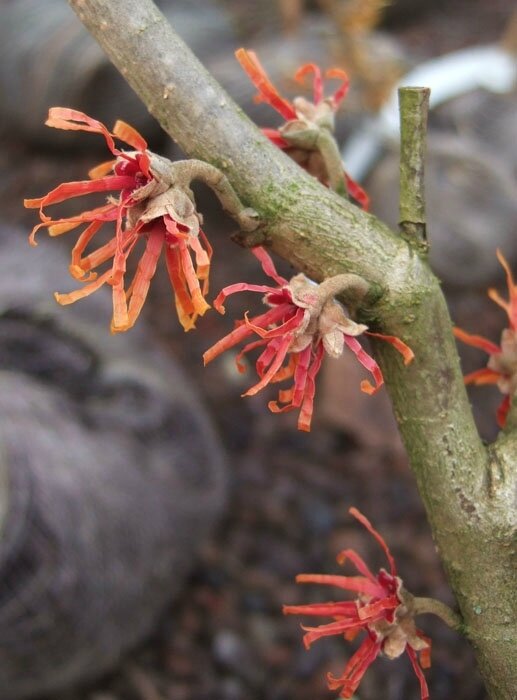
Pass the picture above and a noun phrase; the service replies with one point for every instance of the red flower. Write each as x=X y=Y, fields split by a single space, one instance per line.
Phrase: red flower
x=502 y=365
x=303 y=321
x=382 y=610
x=149 y=207
x=303 y=119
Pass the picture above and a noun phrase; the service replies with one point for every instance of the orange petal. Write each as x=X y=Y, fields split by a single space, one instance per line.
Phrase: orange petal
x=317 y=83
x=73 y=120
x=199 y=302
x=120 y=320
x=341 y=92
x=101 y=170
x=482 y=376
x=273 y=368
x=377 y=535
x=476 y=341
x=144 y=274
x=129 y=135
x=68 y=190
x=267 y=91
x=397 y=343
x=72 y=297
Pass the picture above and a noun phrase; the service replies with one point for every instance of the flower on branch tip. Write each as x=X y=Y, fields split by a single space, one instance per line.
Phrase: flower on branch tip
x=303 y=321
x=383 y=610
x=502 y=364
x=306 y=123
x=146 y=205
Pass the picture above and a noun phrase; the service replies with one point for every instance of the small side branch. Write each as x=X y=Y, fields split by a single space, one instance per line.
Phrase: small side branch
x=185 y=171
x=421 y=606
x=414 y=107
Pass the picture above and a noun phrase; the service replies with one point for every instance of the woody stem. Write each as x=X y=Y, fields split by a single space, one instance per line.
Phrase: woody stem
x=421 y=606
x=414 y=106
x=350 y=287
x=186 y=171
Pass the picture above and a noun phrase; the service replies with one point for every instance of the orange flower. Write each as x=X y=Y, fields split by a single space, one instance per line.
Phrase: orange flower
x=502 y=364
x=304 y=321
x=304 y=120
x=382 y=610
x=149 y=207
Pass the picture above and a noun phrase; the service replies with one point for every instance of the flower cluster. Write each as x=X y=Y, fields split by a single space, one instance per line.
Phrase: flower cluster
x=149 y=206
x=383 y=610
x=303 y=321
x=150 y=203
x=502 y=364
x=308 y=126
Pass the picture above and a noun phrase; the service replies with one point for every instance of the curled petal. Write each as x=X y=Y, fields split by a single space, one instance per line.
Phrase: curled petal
x=291 y=324
x=401 y=347
x=129 y=135
x=268 y=265
x=73 y=120
x=280 y=353
x=239 y=287
x=266 y=90
x=287 y=371
x=248 y=348
x=367 y=524
x=294 y=397
x=341 y=92
x=71 y=297
x=367 y=362
x=56 y=227
x=317 y=81
x=80 y=266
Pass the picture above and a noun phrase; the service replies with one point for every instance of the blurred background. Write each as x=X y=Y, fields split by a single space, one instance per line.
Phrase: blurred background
x=152 y=520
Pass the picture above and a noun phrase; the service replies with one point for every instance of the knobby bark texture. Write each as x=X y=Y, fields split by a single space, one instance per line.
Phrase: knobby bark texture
x=467 y=489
